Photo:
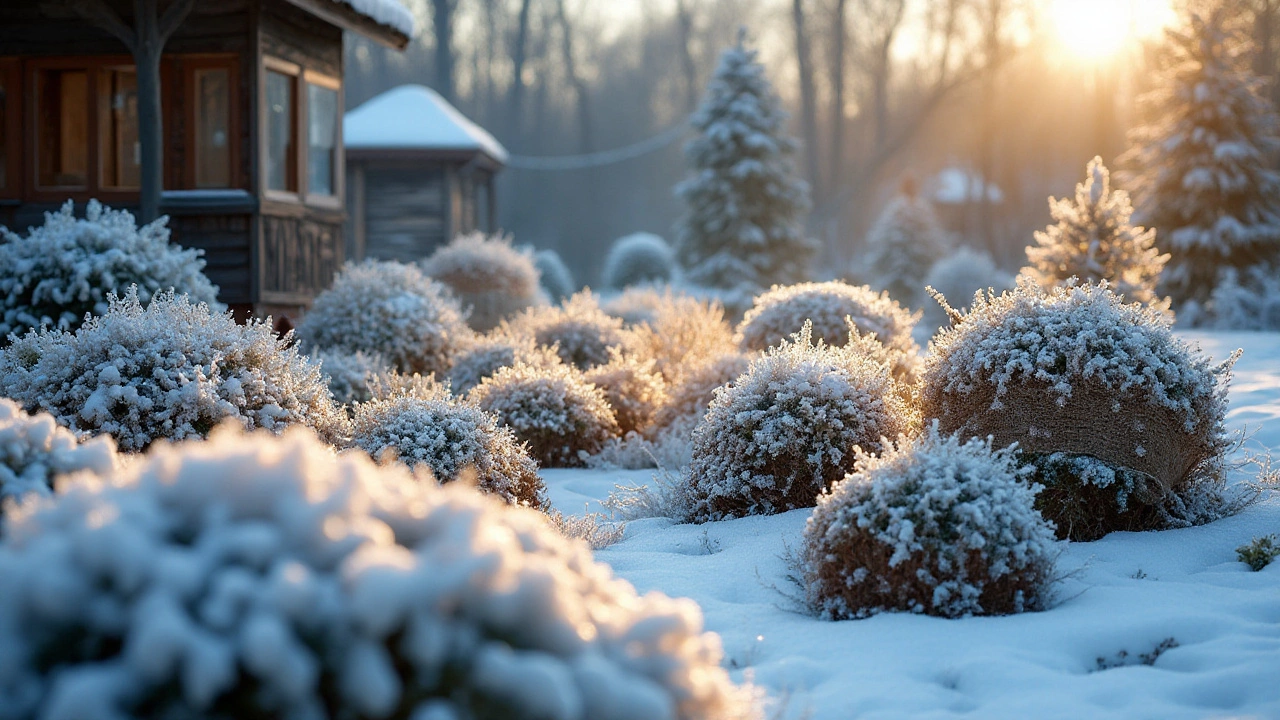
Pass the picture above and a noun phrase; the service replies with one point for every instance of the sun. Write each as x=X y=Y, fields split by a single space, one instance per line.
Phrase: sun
x=1098 y=30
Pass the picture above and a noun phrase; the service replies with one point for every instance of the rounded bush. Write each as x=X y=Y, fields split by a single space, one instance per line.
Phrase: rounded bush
x=678 y=331
x=934 y=525
x=451 y=439
x=779 y=313
x=488 y=276
x=492 y=352
x=554 y=276
x=639 y=259
x=388 y=308
x=349 y=373
x=689 y=398
x=34 y=450
x=552 y=408
x=261 y=577
x=783 y=432
x=169 y=370
x=1079 y=379
x=633 y=388
x=579 y=330
x=67 y=267
x=957 y=277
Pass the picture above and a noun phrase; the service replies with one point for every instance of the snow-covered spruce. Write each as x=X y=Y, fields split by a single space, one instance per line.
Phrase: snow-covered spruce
x=785 y=431
x=676 y=330
x=580 y=331
x=389 y=308
x=171 y=370
x=349 y=373
x=554 y=275
x=1202 y=172
x=639 y=259
x=1248 y=300
x=902 y=245
x=64 y=269
x=552 y=408
x=1092 y=239
x=743 y=229
x=633 y=388
x=779 y=313
x=252 y=577
x=957 y=277
x=489 y=277
x=451 y=438
x=933 y=526
x=34 y=450
x=1073 y=371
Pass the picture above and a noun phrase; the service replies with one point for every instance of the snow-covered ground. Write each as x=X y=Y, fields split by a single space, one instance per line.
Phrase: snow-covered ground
x=1124 y=597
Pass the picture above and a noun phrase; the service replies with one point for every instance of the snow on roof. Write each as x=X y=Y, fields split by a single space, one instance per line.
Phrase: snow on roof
x=956 y=186
x=414 y=117
x=384 y=12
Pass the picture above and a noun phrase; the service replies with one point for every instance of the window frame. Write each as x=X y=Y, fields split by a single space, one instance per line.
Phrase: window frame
x=189 y=66
x=334 y=200
x=11 y=75
x=298 y=166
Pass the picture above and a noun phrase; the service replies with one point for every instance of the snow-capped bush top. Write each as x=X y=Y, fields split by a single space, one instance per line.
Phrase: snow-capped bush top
x=390 y=308
x=579 y=329
x=556 y=279
x=66 y=268
x=638 y=259
x=958 y=513
x=780 y=313
x=902 y=245
x=168 y=370
x=34 y=449
x=1092 y=240
x=1065 y=336
x=476 y=262
x=349 y=373
x=253 y=576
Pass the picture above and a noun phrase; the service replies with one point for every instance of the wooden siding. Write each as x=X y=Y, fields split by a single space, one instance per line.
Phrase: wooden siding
x=404 y=212
x=289 y=33
x=299 y=256
x=225 y=241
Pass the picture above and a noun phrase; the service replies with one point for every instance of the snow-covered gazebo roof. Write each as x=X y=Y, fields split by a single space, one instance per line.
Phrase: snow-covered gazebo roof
x=413 y=119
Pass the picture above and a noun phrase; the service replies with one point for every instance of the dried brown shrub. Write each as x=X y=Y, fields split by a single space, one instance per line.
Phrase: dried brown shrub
x=634 y=390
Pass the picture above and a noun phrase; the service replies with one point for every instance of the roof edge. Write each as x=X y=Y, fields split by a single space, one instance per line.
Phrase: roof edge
x=347 y=17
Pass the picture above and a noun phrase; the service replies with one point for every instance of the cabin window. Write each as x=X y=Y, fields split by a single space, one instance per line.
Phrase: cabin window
x=322 y=139
x=118 y=144
x=62 y=127
x=5 y=91
x=281 y=126
x=211 y=98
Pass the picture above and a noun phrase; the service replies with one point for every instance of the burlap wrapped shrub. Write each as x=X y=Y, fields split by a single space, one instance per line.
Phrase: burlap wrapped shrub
x=1124 y=421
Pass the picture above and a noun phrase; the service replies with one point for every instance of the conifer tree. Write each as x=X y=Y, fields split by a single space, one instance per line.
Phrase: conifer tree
x=1092 y=239
x=1201 y=171
x=743 y=228
x=905 y=241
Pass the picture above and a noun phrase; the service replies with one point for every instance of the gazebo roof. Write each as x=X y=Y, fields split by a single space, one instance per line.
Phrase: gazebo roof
x=415 y=118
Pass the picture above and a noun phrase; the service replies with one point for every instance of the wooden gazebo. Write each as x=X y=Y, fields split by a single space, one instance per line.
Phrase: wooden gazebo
x=418 y=173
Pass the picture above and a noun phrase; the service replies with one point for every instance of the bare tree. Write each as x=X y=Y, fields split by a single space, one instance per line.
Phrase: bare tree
x=442 y=13
x=839 y=39
x=519 y=56
x=808 y=95
x=684 y=21
x=575 y=79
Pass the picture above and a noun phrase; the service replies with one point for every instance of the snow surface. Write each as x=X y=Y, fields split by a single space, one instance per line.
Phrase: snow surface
x=391 y=13
x=415 y=117
x=1127 y=592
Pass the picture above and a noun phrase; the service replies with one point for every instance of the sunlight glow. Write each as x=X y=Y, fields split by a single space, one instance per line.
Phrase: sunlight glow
x=1098 y=30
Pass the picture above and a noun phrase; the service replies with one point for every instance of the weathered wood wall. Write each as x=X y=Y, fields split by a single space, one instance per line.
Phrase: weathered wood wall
x=404 y=214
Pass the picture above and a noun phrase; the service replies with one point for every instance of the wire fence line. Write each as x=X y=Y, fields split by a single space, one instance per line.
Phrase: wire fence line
x=604 y=157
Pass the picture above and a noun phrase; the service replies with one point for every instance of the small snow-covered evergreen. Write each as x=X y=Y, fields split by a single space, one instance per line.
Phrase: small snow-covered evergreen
x=171 y=370
x=1246 y=299
x=933 y=525
x=1202 y=173
x=260 y=577
x=491 y=279
x=639 y=259
x=66 y=268
x=905 y=241
x=1092 y=239
x=554 y=275
x=743 y=229
x=34 y=450
x=389 y=308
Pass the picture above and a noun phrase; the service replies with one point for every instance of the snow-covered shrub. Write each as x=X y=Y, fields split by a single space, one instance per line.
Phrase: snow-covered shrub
x=633 y=388
x=1092 y=239
x=779 y=313
x=491 y=352
x=1248 y=300
x=260 y=577
x=1116 y=411
x=389 y=308
x=554 y=275
x=488 y=276
x=349 y=373
x=553 y=409
x=639 y=259
x=65 y=269
x=689 y=398
x=34 y=450
x=452 y=439
x=677 y=331
x=580 y=331
x=171 y=370
x=782 y=433
x=902 y=245
x=934 y=525
x=394 y=383
x=958 y=276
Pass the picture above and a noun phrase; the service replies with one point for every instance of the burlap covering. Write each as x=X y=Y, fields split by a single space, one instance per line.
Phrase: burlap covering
x=1088 y=423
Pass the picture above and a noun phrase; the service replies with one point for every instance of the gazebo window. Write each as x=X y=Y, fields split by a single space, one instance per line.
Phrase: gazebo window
x=119 y=148
x=62 y=127
x=322 y=138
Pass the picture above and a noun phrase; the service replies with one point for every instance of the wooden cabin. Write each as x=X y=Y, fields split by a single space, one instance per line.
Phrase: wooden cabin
x=251 y=99
x=418 y=173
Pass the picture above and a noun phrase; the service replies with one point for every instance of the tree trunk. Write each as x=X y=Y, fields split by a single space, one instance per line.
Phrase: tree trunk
x=571 y=70
x=684 y=19
x=442 y=19
x=808 y=97
x=518 y=56
x=839 y=31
